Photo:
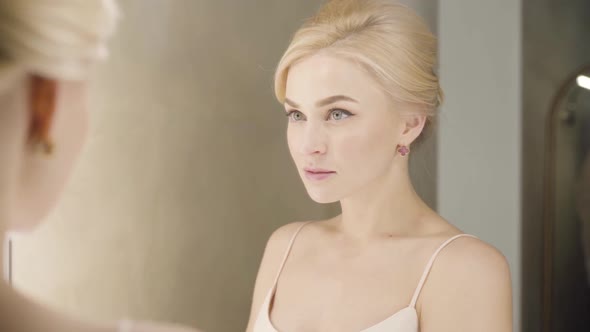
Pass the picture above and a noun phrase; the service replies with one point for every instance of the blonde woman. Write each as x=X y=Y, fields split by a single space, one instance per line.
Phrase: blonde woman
x=359 y=89
x=47 y=49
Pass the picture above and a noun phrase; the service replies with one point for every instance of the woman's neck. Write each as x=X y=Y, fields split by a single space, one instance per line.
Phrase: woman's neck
x=389 y=206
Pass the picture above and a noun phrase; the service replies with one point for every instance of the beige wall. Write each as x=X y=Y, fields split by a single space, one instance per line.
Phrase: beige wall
x=479 y=150
x=186 y=172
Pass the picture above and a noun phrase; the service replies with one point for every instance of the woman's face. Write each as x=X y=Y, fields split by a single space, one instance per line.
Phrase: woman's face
x=342 y=132
x=43 y=177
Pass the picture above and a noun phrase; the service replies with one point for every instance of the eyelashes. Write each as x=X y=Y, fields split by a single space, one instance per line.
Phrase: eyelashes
x=292 y=114
x=335 y=114
x=343 y=114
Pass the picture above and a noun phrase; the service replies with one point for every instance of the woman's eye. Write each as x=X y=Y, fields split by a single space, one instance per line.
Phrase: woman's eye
x=339 y=114
x=295 y=116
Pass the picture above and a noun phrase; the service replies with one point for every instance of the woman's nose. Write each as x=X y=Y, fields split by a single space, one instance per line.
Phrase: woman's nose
x=314 y=140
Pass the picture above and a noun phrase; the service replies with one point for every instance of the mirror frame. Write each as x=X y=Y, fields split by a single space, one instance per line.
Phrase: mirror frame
x=550 y=166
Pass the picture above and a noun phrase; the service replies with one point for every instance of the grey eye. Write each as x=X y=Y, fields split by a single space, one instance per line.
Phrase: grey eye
x=338 y=114
x=295 y=116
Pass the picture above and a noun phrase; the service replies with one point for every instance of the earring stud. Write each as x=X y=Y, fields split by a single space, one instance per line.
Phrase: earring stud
x=403 y=150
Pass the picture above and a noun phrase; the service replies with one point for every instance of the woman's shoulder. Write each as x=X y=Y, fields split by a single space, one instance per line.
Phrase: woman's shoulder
x=299 y=233
x=468 y=256
x=469 y=283
x=466 y=252
x=281 y=237
x=469 y=265
x=274 y=255
x=285 y=233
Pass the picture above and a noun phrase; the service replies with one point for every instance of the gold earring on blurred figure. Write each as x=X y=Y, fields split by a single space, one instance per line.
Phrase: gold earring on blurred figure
x=43 y=102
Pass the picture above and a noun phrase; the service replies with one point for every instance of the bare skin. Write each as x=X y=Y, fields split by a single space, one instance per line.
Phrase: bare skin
x=356 y=269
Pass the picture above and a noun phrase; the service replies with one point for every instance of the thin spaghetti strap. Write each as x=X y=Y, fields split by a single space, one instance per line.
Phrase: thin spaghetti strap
x=288 y=251
x=429 y=267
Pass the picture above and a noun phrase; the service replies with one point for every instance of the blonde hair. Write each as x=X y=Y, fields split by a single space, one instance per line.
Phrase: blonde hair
x=58 y=39
x=387 y=39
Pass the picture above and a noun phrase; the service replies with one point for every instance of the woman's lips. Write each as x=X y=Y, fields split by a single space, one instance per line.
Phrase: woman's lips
x=318 y=174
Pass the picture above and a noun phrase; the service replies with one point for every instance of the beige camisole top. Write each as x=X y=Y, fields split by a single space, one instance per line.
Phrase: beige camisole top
x=404 y=320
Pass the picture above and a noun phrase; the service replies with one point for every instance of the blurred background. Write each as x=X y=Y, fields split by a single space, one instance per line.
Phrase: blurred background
x=187 y=170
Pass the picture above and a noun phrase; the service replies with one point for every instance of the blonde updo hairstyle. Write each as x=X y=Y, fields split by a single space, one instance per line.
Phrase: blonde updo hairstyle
x=389 y=40
x=57 y=39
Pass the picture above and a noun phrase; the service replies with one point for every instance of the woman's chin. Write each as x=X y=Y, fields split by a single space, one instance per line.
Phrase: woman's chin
x=322 y=197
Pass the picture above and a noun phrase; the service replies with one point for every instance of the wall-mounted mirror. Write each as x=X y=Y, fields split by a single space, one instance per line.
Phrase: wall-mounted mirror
x=566 y=292
x=186 y=171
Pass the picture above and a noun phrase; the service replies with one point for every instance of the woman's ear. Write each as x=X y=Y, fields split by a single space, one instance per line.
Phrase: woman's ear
x=42 y=104
x=413 y=126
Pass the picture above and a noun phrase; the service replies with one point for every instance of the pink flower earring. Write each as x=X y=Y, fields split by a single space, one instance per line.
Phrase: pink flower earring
x=403 y=150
